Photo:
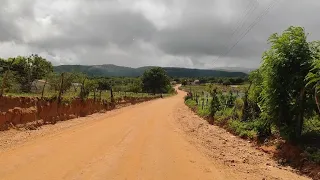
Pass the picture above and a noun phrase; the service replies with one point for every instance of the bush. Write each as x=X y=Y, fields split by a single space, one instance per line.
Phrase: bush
x=313 y=154
x=170 y=90
x=243 y=129
x=227 y=112
x=312 y=125
x=191 y=103
x=187 y=98
x=215 y=104
x=203 y=112
x=238 y=104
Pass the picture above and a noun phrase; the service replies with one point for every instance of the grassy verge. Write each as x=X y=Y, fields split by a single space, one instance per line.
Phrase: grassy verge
x=304 y=156
x=226 y=119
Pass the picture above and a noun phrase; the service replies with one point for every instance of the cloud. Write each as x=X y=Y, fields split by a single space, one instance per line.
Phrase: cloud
x=149 y=32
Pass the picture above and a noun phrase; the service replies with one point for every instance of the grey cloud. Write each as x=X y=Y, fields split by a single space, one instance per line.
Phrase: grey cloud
x=120 y=28
x=138 y=32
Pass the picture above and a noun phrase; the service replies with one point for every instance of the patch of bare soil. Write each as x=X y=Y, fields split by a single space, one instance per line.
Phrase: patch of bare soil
x=229 y=151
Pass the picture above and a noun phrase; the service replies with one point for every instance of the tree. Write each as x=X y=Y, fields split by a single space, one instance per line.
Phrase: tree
x=184 y=83
x=313 y=76
x=54 y=80
x=285 y=66
x=135 y=87
x=7 y=80
x=91 y=85
x=10 y=84
x=155 y=81
x=28 y=69
x=215 y=104
x=103 y=84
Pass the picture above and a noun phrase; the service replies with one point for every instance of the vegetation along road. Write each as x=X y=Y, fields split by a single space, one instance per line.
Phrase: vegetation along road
x=161 y=139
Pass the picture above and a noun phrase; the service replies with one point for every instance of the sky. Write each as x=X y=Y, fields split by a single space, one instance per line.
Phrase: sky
x=180 y=33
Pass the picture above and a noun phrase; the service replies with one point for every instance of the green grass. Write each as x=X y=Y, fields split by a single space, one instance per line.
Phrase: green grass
x=191 y=103
x=243 y=129
x=313 y=154
x=205 y=88
x=312 y=125
x=225 y=118
x=230 y=120
x=105 y=95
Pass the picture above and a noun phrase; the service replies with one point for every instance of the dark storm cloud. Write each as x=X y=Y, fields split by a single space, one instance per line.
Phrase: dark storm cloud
x=143 y=32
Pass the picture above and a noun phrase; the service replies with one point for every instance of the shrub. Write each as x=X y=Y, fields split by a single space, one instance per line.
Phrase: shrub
x=191 y=103
x=313 y=154
x=215 y=104
x=243 y=129
x=203 y=112
x=238 y=104
x=187 y=98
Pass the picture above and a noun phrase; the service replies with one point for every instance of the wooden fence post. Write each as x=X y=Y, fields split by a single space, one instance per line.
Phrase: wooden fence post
x=61 y=88
x=207 y=101
x=44 y=86
x=202 y=103
x=111 y=94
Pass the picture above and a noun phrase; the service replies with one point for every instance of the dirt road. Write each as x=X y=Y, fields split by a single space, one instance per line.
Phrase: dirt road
x=160 y=139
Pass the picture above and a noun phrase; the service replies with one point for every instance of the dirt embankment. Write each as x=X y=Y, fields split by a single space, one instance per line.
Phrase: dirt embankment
x=20 y=111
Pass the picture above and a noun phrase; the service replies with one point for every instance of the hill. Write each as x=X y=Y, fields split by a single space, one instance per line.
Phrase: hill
x=236 y=69
x=113 y=70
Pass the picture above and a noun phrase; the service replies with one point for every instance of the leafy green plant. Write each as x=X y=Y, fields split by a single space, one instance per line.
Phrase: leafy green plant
x=283 y=73
x=215 y=104
x=155 y=81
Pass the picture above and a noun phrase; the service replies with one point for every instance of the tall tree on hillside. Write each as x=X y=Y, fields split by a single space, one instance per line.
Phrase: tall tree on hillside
x=156 y=80
x=285 y=66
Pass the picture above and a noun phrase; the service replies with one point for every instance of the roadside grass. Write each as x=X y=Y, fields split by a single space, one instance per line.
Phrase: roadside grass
x=229 y=119
x=205 y=88
x=71 y=94
x=311 y=138
x=225 y=119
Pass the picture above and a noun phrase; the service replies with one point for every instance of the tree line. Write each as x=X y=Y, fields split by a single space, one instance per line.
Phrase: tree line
x=19 y=75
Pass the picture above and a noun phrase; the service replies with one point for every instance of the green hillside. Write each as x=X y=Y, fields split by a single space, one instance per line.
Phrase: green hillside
x=113 y=70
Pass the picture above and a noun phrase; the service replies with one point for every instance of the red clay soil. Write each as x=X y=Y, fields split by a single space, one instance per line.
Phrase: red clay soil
x=288 y=154
x=16 y=111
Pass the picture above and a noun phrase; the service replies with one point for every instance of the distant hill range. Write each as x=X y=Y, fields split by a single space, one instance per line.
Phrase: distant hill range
x=121 y=71
x=236 y=69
